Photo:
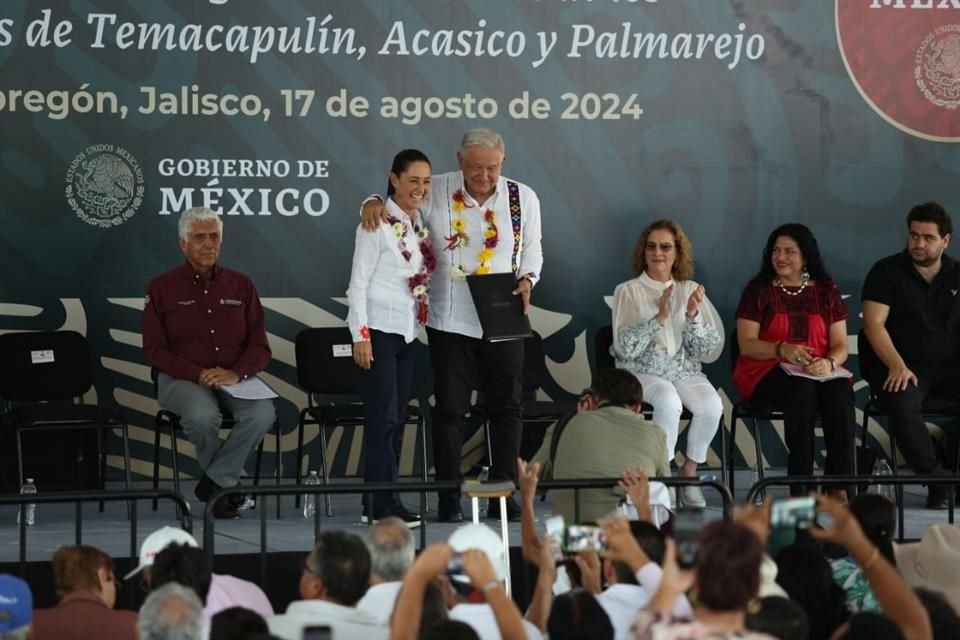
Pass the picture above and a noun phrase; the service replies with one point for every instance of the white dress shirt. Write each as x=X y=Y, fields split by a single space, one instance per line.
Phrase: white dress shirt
x=379 y=293
x=451 y=307
x=347 y=623
x=229 y=591
x=481 y=618
x=380 y=599
x=622 y=602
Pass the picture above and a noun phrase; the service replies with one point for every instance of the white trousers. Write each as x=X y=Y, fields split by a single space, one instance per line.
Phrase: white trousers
x=668 y=400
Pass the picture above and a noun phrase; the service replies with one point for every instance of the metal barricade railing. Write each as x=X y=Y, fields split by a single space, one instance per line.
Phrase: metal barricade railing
x=209 y=522
x=604 y=483
x=896 y=481
x=81 y=497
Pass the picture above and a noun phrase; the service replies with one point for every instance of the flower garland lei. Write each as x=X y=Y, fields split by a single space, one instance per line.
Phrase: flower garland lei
x=419 y=282
x=458 y=237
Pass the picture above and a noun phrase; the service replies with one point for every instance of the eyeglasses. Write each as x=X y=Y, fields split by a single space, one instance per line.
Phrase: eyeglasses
x=666 y=247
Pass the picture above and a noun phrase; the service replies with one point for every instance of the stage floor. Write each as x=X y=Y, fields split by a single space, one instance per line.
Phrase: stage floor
x=110 y=531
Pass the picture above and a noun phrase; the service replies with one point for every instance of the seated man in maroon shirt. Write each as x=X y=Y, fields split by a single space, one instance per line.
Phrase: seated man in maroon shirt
x=203 y=329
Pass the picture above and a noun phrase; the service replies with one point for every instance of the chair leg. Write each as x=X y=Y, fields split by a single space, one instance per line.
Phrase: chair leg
x=486 y=436
x=299 y=458
x=125 y=432
x=126 y=465
x=276 y=464
x=756 y=444
x=102 y=464
x=256 y=466
x=422 y=426
x=323 y=467
x=723 y=452
x=156 y=458
x=899 y=489
x=19 y=456
x=731 y=455
x=175 y=456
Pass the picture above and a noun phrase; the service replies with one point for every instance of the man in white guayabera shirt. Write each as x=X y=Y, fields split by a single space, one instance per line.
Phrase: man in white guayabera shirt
x=480 y=222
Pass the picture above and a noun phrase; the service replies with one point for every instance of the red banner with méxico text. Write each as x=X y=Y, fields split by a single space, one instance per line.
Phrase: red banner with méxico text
x=904 y=58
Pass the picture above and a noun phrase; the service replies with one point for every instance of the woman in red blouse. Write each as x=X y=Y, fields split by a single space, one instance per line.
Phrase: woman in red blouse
x=792 y=312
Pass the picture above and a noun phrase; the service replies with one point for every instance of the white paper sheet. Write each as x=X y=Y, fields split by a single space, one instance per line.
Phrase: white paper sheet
x=250 y=389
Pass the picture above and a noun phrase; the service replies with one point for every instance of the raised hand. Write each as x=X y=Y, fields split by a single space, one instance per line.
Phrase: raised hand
x=664 y=311
x=527 y=477
x=693 y=302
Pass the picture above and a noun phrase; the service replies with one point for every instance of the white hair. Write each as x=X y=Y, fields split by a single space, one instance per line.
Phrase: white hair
x=197 y=214
x=483 y=138
x=171 y=612
x=391 y=548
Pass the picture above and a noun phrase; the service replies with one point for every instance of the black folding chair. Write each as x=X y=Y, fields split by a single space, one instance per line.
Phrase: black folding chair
x=541 y=413
x=169 y=421
x=43 y=378
x=325 y=367
x=603 y=359
x=746 y=410
x=932 y=407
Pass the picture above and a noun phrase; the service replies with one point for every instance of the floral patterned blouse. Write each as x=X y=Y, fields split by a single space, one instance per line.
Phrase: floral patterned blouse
x=656 y=626
x=860 y=596
x=673 y=351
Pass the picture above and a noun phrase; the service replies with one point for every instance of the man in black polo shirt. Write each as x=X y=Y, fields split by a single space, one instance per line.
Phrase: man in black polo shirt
x=911 y=318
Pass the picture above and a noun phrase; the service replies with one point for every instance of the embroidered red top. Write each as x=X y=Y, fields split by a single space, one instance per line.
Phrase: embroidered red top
x=799 y=319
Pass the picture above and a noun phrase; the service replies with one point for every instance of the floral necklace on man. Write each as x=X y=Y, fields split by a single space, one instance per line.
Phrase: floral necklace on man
x=419 y=283
x=458 y=237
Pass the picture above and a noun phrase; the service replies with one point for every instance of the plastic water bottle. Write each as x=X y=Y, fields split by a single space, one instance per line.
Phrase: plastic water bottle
x=484 y=476
x=310 y=499
x=882 y=470
x=28 y=488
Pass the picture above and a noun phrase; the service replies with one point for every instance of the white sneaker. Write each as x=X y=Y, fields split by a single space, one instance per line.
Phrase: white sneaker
x=693 y=497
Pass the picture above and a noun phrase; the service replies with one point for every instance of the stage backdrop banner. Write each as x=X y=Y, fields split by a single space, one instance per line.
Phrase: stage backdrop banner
x=729 y=116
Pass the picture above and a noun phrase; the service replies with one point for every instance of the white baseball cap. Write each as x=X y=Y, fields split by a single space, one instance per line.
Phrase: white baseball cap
x=157 y=542
x=482 y=537
x=934 y=562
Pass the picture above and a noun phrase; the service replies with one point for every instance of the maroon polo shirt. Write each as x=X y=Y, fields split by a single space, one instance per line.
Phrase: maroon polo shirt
x=191 y=324
x=80 y=616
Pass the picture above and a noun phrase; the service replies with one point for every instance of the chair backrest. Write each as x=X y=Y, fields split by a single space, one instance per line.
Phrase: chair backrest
x=734 y=347
x=602 y=341
x=325 y=361
x=870 y=363
x=44 y=365
x=534 y=363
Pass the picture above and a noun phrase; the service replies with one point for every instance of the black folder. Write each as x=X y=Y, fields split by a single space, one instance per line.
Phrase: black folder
x=500 y=312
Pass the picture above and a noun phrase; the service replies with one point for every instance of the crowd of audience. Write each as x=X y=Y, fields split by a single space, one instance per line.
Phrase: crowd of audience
x=745 y=578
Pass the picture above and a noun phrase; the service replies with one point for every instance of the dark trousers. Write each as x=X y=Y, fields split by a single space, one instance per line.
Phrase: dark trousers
x=460 y=365
x=385 y=390
x=905 y=415
x=801 y=400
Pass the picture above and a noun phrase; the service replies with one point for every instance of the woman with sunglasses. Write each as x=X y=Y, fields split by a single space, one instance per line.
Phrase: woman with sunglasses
x=664 y=327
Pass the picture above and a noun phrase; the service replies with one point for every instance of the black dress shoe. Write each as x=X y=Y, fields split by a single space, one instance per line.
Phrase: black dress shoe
x=937 y=498
x=513 y=509
x=205 y=488
x=449 y=510
x=226 y=509
x=411 y=519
